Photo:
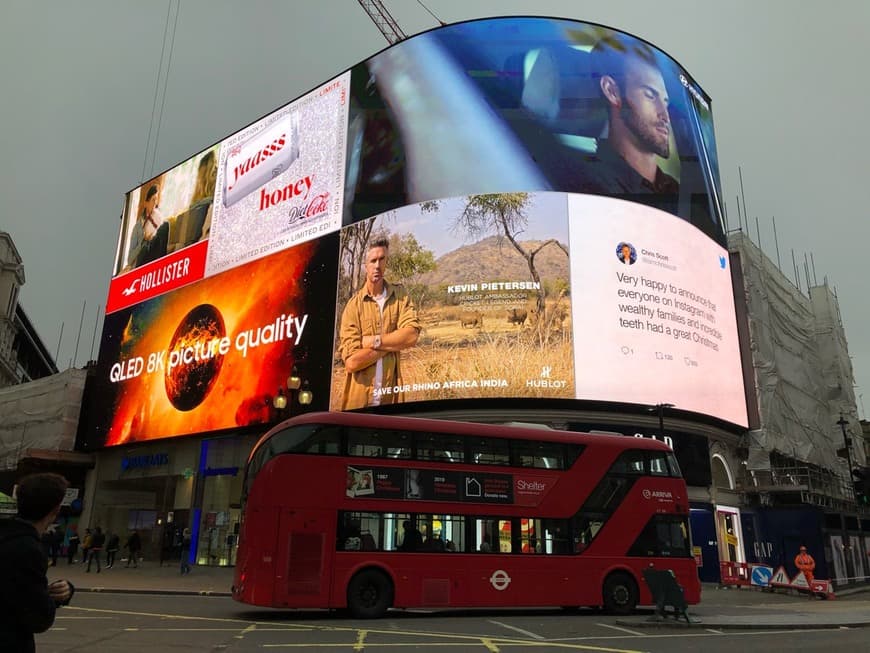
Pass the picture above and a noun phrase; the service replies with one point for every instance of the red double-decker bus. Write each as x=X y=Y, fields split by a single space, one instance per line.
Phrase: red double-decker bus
x=369 y=512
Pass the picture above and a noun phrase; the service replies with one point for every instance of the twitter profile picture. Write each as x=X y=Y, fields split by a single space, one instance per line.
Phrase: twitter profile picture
x=626 y=253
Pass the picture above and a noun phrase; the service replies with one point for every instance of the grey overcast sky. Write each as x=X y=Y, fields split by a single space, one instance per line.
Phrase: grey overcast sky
x=790 y=90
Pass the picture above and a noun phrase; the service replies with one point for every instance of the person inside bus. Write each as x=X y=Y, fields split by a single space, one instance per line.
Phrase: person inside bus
x=485 y=546
x=434 y=543
x=377 y=324
x=413 y=539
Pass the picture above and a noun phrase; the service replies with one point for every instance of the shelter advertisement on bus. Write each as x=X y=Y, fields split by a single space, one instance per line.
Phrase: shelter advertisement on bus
x=489 y=157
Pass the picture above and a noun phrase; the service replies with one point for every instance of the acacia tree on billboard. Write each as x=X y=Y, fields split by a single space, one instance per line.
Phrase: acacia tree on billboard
x=408 y=259
x=505 y=215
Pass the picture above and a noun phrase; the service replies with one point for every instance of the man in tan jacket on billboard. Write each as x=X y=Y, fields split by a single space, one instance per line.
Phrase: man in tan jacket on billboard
x=377 y=323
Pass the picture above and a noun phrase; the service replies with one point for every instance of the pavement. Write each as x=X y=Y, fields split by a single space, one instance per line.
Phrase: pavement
x=720 y=608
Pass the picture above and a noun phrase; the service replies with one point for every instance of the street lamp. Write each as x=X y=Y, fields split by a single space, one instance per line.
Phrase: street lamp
x=660 y=408
x=296 y=388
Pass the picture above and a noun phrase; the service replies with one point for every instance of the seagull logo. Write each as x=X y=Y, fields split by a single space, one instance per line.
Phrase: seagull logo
x=129 y=291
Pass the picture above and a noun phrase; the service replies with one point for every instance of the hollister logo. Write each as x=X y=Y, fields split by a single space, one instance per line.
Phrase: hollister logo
x=168 y=273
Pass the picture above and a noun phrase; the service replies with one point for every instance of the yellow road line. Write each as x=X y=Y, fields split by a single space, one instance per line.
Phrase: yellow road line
x=466 y=638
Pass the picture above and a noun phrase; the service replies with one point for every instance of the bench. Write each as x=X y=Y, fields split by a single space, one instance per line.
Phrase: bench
x=666 y=592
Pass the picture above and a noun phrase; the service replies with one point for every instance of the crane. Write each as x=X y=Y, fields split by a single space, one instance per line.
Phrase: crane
x=383 y=20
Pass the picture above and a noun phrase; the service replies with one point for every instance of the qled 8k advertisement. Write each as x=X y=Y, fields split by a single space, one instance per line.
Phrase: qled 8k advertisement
x=212 y=355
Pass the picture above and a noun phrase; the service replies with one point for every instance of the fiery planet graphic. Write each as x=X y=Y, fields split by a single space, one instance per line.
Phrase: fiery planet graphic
x=194 y=359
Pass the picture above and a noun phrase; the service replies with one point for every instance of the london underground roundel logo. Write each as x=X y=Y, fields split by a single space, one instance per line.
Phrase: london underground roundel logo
x=500 y=579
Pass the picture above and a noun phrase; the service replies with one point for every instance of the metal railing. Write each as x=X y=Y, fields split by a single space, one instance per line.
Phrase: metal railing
x=816 y=486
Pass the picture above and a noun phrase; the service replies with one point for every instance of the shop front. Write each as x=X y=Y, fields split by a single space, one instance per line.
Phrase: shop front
x=160 y=489
x=217 y=506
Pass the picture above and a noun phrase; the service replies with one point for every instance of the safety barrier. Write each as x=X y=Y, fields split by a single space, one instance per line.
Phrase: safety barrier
x=734 y=573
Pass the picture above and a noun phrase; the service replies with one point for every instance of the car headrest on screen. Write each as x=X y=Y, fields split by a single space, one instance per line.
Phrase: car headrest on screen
x=560 y=91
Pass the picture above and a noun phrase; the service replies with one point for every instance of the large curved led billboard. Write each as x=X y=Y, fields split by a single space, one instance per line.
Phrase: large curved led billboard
x=504 y=208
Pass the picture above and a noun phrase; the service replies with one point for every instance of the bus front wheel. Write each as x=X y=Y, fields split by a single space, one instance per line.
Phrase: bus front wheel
x=369 y=594
x=620 y=594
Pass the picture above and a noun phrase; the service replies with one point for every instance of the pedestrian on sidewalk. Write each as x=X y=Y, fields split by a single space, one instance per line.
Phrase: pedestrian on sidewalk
x=28 y=602
x=805 y=563
x=47 y=540
x=113 y=544
x=86 y=544
x=96 y=550
x=72 y=547
x=185 y=551
x=133 y=546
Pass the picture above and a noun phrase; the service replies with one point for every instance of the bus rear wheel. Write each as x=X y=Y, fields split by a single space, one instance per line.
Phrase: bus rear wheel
x=369 y=594
x=619 y=594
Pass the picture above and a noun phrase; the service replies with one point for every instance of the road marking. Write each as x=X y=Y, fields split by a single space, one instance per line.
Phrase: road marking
x=527 y=633
x=731 y=633
x=622 y=630
x=490 y=646
x=59 y=617
x=247 y=630
x=714 y=631
x=360 y=640
x=459 y=639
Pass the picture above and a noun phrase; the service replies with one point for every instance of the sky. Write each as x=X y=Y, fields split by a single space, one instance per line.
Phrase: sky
x=81 y=82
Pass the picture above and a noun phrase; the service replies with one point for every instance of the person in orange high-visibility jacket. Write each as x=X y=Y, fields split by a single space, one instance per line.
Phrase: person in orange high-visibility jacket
x=805 y=563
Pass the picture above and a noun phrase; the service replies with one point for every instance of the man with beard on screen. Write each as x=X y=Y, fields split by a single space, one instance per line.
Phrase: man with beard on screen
x=637 y=135
x=377 y=325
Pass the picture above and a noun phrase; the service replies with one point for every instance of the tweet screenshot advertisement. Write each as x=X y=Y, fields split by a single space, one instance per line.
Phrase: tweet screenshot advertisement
x=653 y=310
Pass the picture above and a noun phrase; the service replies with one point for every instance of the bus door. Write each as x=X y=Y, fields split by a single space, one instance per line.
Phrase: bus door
x=305 y=544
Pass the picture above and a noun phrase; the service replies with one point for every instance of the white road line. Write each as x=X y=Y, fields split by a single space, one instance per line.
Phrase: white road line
x=714 y=631
x=622 y=630
x=527 y=633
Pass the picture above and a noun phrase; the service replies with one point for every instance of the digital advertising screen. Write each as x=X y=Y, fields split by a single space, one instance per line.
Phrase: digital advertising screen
x=490 y=297
x=505 y=208
x=276 y=183
x=656 y=317
x=526 y=104
x=212 y=355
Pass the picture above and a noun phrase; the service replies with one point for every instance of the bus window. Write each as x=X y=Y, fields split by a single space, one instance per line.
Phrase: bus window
x=630 y=462
x=442 y=533
x=546 y=536
x=674 y=466
x=541 y=455
x=608 y=494
x=658 y=464
x=586 y=527
x=663 y=536
x=378 y=443
x=487 y=535
x=443 y=447
x=306 y=438
x=325 y=440
x=490 y=451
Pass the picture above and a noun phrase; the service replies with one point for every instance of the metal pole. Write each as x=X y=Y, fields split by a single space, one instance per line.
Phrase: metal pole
x=660 y=407
x=661 y=422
